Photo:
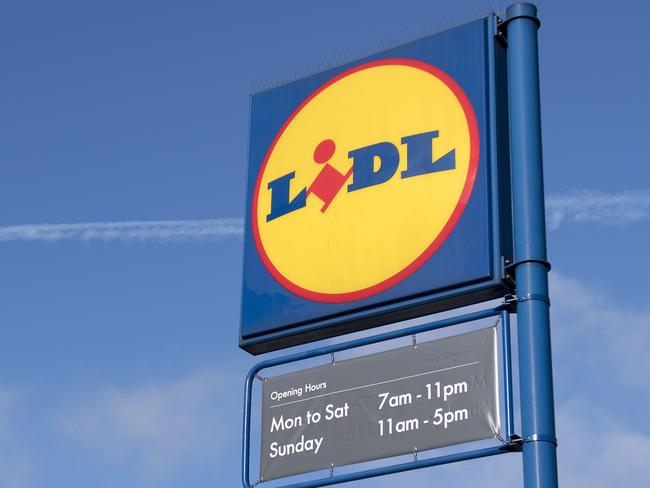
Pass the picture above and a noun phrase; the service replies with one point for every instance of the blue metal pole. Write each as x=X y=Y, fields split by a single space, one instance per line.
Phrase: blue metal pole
x=531 y=266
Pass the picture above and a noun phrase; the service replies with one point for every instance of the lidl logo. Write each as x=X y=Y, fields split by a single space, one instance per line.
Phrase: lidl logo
x=365 y=180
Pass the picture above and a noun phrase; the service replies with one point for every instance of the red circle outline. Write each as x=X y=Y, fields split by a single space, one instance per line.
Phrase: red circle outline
x=439 y=239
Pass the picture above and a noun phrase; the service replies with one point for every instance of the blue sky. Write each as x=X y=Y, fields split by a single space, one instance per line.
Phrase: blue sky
x=119 y=363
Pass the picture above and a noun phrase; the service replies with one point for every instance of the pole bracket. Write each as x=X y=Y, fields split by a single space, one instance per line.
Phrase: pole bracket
x=510 y=301
x=516 y=442
x=541 y=438
x=543 y=262
x=534 y=296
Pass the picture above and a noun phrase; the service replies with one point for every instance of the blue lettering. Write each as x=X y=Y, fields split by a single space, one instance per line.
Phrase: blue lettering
x=363 y=162
x=419 y=155
x=419 y=161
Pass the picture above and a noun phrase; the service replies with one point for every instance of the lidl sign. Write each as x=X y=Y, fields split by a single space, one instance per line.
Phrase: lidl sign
x=373 y=192
x=342 y=208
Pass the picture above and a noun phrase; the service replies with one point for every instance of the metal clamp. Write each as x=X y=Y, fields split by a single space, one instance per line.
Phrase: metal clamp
x=541 y=438
x=516 y=441
x=500 y=32
x=331 y=470
x=511 y=300
x=544 y=262
x=534 y=296
x=261 y=378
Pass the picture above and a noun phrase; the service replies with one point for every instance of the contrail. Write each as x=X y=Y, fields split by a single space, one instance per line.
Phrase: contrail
x=577 y=206
x=131 y=231
x=596 y=207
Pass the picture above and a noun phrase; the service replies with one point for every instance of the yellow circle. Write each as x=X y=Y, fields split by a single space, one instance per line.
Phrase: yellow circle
x=369 y=239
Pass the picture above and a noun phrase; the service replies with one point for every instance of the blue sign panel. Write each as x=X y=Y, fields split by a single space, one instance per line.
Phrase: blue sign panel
x=377 y=191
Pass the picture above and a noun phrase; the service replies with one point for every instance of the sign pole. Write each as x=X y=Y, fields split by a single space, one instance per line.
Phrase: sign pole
x=536 y=381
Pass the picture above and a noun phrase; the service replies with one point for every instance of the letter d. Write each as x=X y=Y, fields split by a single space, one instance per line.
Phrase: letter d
x=363 y=163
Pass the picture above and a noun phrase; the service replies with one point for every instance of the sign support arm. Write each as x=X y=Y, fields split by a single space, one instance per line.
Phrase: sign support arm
x=536 y=382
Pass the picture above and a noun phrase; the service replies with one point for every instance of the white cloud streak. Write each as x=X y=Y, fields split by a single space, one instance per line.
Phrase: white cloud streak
x=131 y=231
x=596 y=207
